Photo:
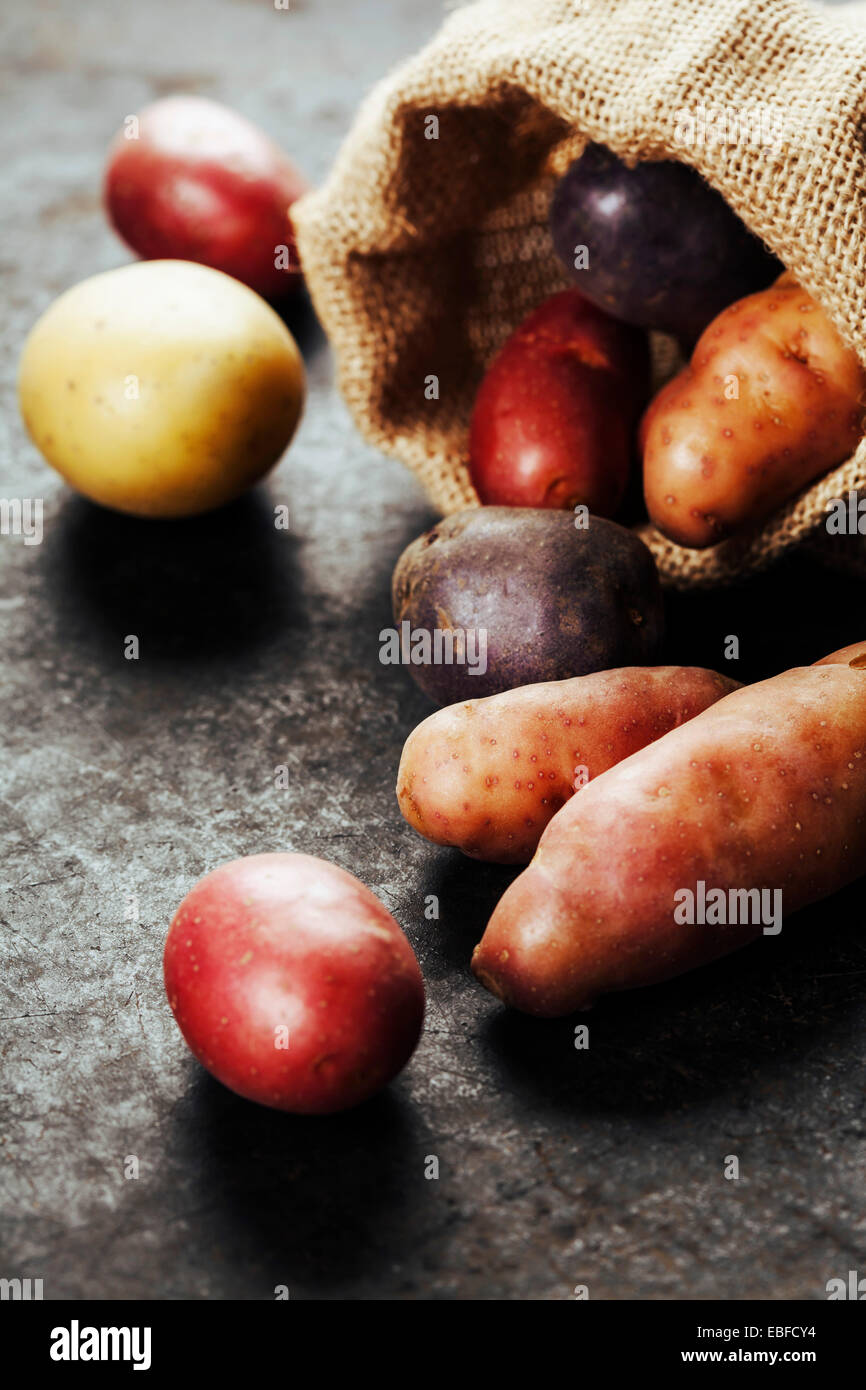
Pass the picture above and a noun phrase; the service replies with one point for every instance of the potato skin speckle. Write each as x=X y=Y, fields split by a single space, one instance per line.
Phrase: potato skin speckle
x=594 y=911
x=453 y=784
x=791 y=409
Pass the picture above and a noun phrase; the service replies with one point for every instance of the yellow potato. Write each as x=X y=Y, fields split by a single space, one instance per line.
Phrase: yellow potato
x=162 y=389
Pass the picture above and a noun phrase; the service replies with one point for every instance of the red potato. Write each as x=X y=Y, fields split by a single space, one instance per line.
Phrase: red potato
x=771 y=400
x=553 y=422
x=199 y=182
x=764 y=791
x=292 y=984
x=488 y=775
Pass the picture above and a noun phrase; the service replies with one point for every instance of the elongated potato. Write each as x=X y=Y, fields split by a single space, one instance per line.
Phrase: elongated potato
x=772 y=399
x=764 y=791
x=486 y=776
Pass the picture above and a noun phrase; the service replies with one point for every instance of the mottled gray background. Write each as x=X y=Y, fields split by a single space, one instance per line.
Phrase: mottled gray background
x=122 y=782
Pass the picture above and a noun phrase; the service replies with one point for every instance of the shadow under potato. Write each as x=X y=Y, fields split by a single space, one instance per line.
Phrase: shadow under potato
x=723 y=1027
x=191 y=590
x=299 y=316
x=467 y=889
x=671 y=1045
x=319 y=1201
x=791 y=615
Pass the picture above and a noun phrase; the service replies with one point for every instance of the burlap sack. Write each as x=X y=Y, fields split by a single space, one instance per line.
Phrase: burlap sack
x=422 y=254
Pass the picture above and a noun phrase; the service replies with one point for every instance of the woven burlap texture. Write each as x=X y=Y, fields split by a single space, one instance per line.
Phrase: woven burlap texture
x=429 y=240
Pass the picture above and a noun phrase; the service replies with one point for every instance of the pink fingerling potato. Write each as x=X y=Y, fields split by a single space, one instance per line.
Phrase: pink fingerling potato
x=771 y=400
x=196 y=181
x=853 y=656
x=553 y=422
x=292 y=984
x=487 y=776
x=764 y=790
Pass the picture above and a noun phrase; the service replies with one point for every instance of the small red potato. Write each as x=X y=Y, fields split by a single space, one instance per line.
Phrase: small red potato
x=766 y=790
x=553 y=423
x=771 y=400
x=196 y=181
x=486 y=776
x=292 y=984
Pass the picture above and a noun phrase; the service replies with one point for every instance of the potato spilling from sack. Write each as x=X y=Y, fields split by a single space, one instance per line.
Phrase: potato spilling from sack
x=163 y=388
x=488 y=775
x=654 y=244
x=693 y=846
x=553 y=423
x=771 y=400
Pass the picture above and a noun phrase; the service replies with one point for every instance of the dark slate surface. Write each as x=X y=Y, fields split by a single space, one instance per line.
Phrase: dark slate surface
x=123 y=782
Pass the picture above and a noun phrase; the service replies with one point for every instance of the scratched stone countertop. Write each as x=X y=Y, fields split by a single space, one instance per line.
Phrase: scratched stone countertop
x=122 y=782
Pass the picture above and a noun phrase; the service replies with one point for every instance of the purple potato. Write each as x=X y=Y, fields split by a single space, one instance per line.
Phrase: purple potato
x=540 y=598
x=664 y=250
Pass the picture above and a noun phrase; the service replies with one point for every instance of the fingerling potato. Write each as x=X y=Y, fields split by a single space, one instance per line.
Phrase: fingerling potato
x=765 y=792
x=771 y=400
x=486 y=776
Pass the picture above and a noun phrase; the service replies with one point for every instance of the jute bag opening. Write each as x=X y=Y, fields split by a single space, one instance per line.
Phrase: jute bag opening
x=429 y=242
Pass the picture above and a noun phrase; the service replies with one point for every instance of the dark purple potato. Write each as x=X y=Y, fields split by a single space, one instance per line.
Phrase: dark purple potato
x=537 y=599
x=664 y=250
